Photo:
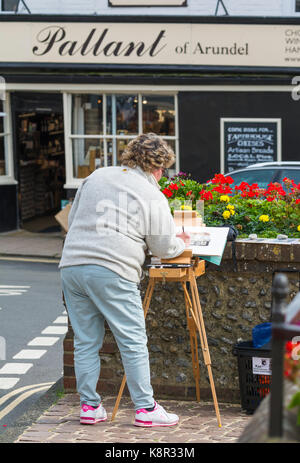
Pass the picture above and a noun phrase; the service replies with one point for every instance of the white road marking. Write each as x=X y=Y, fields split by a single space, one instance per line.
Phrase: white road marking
x=8 y=383
x=14 y=286
x=61 y=320
x=13 y=290
x=10 y=293
x=29 y=354
x=43 y=341
x=20 y=399
x=21 y=389
x=55 y=330
x=15 y=368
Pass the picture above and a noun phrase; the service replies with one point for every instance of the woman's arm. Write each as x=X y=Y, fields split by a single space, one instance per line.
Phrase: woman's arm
x=161 y=238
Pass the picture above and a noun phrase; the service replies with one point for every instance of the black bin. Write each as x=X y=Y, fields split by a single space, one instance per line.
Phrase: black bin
x=253 y=386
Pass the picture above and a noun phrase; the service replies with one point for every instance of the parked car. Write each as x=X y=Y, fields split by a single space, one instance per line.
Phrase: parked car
x=267 y=172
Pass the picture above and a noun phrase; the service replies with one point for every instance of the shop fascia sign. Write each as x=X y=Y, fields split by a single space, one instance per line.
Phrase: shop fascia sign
x=158 y=44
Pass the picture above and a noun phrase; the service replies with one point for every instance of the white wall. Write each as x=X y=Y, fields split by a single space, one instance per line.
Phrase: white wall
x=194 y=7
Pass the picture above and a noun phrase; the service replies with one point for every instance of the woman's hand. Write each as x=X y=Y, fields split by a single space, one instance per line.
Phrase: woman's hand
x=186 y=237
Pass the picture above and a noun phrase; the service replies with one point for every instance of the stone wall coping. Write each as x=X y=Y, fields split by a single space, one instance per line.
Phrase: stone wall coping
x=285 y=251
x=284 y=241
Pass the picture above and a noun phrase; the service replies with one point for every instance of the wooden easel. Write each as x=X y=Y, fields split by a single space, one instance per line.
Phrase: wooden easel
x=195 y=268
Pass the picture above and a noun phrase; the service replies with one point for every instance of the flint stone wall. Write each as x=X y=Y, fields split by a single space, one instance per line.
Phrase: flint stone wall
x=233 y=299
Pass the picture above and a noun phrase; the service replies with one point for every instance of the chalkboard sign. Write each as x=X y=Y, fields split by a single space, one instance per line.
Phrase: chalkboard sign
x=249 y=141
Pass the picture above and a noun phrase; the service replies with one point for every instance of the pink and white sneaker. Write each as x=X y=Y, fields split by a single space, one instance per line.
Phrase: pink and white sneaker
x=158 y=417
x=91 y=415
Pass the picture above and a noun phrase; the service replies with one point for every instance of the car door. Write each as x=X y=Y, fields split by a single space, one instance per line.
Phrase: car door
x=291 y=173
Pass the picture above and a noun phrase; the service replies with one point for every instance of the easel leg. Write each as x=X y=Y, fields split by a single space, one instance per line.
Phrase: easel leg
x=146 y=305
x=193 y=340
x=204 y=344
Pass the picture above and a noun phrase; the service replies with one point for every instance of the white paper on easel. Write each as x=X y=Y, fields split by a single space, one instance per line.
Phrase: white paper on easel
x=206 y=241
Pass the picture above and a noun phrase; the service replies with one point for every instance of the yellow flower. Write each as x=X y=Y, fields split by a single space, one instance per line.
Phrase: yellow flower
x=264 y=218
x=224 y=198
x=298 y=228
x=189 y=208
x=226 y=214
x=231 y=208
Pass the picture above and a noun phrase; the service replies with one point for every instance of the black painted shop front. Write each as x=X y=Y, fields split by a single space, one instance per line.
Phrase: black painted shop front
x=199 y=117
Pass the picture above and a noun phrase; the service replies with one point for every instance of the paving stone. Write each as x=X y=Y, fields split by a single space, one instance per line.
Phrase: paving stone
x=197 y=424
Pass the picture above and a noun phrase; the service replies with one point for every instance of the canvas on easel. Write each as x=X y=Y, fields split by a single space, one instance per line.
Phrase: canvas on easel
x=206 y=242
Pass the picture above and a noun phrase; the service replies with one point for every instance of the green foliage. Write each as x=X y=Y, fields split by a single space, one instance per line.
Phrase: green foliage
x=295 y=402
x=265 y=212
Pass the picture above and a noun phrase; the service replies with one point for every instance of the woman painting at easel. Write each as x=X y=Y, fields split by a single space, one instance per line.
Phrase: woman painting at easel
x=112 y=222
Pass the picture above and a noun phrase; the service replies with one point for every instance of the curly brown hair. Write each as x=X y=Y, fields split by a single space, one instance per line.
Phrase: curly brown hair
x=149 y=152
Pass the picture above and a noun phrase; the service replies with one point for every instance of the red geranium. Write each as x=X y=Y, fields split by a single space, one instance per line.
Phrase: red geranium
x=220 y=179
x=291 y=365
x=167 y=192
x=222 y=189
x=248 y=191
x=206 y=195
x=275 y=188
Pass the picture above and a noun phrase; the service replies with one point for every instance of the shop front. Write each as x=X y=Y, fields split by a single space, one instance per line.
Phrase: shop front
x=76 y=90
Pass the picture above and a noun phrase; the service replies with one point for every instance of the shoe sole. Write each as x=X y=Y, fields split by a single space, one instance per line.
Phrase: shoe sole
x=85 y=421
x=144 y=425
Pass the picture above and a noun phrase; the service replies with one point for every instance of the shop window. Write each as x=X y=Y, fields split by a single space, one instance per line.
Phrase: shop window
x=122 y=114
x=297 y=6
x=159 y=115
x=102 y=126
x=13 y=5
x=88 y=154
x=87 y=114
x=10 y=5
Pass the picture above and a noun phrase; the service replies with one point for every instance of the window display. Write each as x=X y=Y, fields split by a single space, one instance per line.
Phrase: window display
x=88 y=154
x=87 y=114
x=159 y=115
x=102 y=126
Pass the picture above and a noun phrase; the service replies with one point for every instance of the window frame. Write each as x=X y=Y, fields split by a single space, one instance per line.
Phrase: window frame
x=8 y=178
x=74 y=182
x=8 y=10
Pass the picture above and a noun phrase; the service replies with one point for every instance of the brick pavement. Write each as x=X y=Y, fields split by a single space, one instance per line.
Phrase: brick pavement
x=198 y=424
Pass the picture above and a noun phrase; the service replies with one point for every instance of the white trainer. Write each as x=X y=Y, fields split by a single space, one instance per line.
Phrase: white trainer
x=158 y=417
x=91 y=415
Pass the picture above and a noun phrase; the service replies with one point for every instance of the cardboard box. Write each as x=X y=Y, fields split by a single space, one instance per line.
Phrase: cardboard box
x=187 y=218
x=62 y=217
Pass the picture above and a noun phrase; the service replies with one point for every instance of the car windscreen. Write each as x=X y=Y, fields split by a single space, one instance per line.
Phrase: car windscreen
x=262 y=177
